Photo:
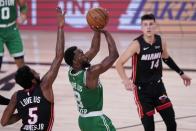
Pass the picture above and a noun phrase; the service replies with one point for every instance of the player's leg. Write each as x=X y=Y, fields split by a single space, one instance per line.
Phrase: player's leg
x=148 y=123
x=143 y=99
x=108 y=126
x=4 y=101
x=19 y=61
x=15 y=46
x=164 y=107
x=168 y=116
x=97 y=123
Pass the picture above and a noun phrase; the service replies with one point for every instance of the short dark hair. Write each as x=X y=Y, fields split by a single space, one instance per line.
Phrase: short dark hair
x=69 y=55
x=24 y=77
x=148 y=17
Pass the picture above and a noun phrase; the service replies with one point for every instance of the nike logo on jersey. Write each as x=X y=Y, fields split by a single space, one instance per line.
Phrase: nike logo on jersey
x=151 y=56
x=146 y=48
x=157 y=47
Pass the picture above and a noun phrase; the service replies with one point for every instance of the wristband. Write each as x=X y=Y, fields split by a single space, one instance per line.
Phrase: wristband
x=181 y=72
x=170 y=62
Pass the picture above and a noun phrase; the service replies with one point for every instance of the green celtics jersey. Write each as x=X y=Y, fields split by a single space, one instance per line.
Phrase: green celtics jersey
x=88 y=100
x=8 y=11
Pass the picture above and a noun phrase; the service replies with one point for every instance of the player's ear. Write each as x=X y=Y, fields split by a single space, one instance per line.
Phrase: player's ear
x=33 y=81
x=75 y=63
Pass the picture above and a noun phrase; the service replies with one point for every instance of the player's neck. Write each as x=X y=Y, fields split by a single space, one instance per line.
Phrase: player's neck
x=149 y=39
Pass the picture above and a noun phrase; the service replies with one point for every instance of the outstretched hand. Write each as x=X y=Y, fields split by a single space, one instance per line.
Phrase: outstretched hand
x=186 y=80
x=128 y=85
x=60 y=17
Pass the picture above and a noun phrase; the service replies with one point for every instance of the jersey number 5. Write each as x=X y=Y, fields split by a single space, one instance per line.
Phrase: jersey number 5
x=5 y=13
x=32 y=115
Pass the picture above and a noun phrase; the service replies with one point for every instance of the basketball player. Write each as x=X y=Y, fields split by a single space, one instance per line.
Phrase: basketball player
x=35 y=102
x=147 y=52
x=9 y=33
x=87 y=88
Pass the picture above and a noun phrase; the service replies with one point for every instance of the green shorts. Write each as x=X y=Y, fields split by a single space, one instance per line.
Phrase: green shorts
x=10 y=36
x=96 y=123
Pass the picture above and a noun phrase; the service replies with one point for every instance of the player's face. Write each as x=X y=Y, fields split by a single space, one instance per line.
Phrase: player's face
x=148 y=27
x=80 y=59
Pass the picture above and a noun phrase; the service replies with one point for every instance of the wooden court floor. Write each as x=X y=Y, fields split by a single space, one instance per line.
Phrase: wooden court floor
x=119 y=104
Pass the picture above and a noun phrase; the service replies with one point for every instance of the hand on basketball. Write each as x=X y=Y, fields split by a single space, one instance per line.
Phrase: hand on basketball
x=186 y=80
x=103 y=31
x=60 y=17
x=128 y=85
x=95 y=29
x=97 y=18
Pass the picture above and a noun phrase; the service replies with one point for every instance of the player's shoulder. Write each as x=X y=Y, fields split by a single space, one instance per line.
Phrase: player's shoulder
x=137 y=40
x=14 y=96
x=135 y=43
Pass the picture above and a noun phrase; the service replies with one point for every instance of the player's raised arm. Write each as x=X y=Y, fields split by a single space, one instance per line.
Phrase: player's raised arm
x=95 y=45
x=96 y=70
x=50 y=76
x=97 y=18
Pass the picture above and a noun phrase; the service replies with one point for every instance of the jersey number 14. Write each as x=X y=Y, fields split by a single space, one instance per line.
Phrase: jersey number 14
x=154 y=64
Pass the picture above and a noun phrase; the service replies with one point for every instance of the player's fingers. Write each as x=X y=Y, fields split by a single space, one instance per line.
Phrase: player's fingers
x=189 y=82
x=64 y=13
x=59 y=9
x=185 y=83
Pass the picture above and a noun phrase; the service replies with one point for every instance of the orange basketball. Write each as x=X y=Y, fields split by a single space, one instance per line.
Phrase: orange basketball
x=97 y=17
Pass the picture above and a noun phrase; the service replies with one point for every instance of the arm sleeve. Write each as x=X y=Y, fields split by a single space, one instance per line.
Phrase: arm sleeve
x=170 y=62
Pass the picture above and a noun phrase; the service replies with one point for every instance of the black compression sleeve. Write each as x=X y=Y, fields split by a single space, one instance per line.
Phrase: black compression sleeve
x=170 y=62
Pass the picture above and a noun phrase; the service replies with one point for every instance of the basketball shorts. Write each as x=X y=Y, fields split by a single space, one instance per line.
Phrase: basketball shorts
x=151 y=96
x=10 y=36
x=96 y=123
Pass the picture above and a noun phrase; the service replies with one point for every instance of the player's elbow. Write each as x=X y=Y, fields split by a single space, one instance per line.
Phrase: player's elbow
x=114 y=57
x=3 y=122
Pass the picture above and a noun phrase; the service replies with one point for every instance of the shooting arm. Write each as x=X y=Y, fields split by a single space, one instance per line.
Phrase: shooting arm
x=109 y=60
x=94 y=72
x=95 y=45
